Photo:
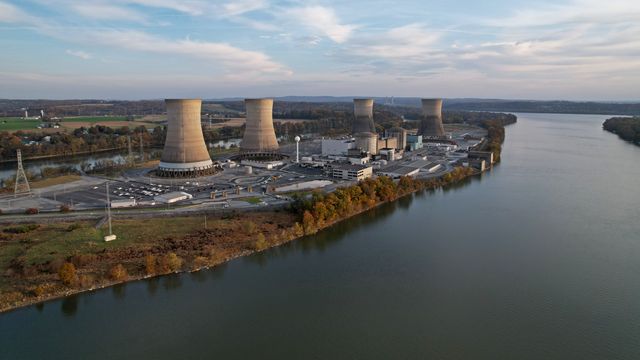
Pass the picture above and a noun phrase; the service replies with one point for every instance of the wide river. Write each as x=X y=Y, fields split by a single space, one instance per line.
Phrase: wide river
x=538 y=259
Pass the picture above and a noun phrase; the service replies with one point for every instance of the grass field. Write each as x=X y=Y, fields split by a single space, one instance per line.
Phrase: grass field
x=55 y=181
x=14 y=124
x=94 y=119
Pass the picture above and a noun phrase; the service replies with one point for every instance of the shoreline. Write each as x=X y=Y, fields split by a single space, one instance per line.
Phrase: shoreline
x=133 y=278
x=236 y=236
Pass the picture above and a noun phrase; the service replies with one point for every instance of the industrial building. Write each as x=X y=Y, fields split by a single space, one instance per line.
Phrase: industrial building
x=484 y=155
x=337 y=147
x=431 y=122
x=259 y=135
x=185 y=153
x=400 y=135
x=123 y=203
x=414 y=142
x=397 y=171
x=173 y=197
x=388 y=143
x=351 y=172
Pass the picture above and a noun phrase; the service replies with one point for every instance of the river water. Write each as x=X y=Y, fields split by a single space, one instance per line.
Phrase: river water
x=538 y=259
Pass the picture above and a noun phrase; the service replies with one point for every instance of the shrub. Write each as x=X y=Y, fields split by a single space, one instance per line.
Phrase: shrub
x=32 y=211
x=67 y=274
x=249 y=227
x=199 y=262
x=65 y=208
x=150 y=264
x=261 y=242
x=73 y=226
x=38 y=290
x=118 y=273
x=170 y=263
x=80 y=260
x=21 y=229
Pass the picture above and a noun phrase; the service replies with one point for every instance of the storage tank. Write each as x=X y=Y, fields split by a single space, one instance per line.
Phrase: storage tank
x=259 y=134
x=185 y=153
x=431 y=124
x=367 y=142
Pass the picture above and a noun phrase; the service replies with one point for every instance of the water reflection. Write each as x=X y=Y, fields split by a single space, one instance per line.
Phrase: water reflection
x=69 y=305
x=119 y=291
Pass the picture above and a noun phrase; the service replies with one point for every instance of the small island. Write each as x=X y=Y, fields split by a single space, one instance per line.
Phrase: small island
x=627 y=128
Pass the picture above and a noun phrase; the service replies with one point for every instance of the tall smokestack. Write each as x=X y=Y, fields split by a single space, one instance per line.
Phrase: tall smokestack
x=431 y=125
x=185 y=153
x=363 y=110
x=259 y=134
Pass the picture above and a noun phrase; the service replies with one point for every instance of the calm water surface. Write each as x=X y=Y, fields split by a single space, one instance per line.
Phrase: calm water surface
x=539 y=259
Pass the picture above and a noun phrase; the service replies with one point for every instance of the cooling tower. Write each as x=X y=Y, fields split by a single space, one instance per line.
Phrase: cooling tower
x=431 y=125
x=259 y=135
x=363 y=111
x=185 y=153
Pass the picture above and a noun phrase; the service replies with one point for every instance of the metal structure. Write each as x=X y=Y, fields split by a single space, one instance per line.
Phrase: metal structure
x=22 y=183
x=363 y=111
x=185 y=153
x=259 y=134
x=431 y=124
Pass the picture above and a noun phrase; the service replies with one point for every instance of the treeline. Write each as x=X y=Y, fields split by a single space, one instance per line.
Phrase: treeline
x=628 y=128
x=321 y=210
x=563 y=107
x=81 y=140
x=495 y=137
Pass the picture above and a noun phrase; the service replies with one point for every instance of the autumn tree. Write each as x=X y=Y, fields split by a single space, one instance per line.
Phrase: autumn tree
x=118 y=273
x=67 y=274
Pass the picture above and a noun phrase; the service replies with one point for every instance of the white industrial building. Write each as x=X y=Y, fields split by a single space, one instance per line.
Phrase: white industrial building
x=351 y=172
x=339 y=147
x=173 y=197
x=124 y=203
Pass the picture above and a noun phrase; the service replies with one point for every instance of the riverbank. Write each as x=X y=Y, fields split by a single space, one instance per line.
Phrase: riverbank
x=40 y=262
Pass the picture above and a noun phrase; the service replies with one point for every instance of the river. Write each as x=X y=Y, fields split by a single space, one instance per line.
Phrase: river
x=538 y=259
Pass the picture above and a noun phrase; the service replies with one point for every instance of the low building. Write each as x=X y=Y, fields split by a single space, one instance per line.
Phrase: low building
x=397 y=171
x=173 y=197
x=337 y=146
x=479 y=164
x=351 y=172
x=262 y=164
x=388 y=154
x=484 y=155
x=124 y=203
x=414 y=142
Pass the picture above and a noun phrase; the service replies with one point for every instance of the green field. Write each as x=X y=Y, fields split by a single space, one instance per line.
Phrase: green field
x=14 y=123
x=94 y=119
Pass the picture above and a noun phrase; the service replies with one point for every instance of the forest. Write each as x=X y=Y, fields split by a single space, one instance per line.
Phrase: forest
x=627 y=128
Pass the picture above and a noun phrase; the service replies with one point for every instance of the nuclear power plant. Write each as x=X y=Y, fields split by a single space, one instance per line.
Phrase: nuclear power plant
x=185 y=153
x=364 y=130
x=431 y=124
x=259 y=140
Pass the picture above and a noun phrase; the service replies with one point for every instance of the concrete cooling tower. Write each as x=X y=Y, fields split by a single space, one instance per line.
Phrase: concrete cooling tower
x=363 y=111
x=185 y=153
x=259 y=134
x=431 y=125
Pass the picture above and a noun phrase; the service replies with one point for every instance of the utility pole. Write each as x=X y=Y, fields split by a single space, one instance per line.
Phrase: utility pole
x=109 y=237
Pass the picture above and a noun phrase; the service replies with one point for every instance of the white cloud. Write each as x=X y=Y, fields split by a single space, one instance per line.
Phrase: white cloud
x=80 y=54
x=104 y=11
x=321 y=20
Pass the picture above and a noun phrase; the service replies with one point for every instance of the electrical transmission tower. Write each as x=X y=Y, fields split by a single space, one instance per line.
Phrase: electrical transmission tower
x=130 y=155
x=22 y=183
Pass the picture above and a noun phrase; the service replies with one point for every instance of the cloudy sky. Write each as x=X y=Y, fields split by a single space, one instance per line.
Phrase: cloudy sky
x=140 y=49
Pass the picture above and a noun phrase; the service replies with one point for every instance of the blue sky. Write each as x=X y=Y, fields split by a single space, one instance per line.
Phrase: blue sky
x=141 y=49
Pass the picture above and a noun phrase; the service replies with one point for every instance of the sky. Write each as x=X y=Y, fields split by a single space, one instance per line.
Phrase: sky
x=152 y=49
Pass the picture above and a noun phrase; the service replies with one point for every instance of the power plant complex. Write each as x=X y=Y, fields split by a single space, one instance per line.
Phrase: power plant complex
x=431 y=123
x=185 y=154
